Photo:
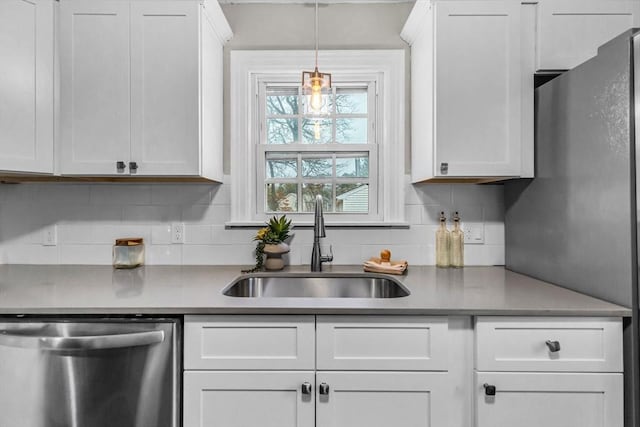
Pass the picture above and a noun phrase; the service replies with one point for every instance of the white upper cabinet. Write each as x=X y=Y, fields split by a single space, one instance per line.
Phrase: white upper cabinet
x=26 y=85
x=94 y=87
x=164 y=87
x=466 y=90
x=141 y=88
x=570 y=31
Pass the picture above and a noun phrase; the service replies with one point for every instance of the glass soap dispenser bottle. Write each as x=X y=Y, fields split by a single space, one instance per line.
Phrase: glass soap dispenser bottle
x=443 y=243
x=457 y=243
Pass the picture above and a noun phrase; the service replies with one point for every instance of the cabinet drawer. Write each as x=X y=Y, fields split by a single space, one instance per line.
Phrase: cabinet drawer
x=382 y=343
x=550 y=399
x=520 y=344
x=249 y=342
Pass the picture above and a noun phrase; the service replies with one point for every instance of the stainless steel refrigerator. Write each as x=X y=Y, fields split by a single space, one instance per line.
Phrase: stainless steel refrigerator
x=576 y=223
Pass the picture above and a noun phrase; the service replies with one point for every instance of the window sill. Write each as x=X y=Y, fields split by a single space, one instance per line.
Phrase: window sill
x=309 y=224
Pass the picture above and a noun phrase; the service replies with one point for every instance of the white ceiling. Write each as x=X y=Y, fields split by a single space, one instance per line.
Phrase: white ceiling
x=312 y=1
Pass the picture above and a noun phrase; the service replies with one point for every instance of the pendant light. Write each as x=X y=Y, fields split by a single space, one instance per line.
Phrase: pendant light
x=315 y=83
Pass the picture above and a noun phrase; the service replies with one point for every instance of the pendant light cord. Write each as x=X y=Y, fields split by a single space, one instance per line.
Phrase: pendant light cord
x=316 y=34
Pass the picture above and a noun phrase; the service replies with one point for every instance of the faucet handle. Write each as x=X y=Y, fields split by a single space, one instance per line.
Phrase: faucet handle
x=328 y=258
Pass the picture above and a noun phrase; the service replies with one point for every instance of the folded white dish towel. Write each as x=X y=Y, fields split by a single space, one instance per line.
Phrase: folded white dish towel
x=376 y=265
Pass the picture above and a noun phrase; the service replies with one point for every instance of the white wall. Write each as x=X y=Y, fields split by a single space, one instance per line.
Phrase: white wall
x=89 y=217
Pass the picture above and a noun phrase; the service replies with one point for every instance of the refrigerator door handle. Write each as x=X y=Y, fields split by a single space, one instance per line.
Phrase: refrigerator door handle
x=97 y=342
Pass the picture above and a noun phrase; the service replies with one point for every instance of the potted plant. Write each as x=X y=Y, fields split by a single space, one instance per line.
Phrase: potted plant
x=271 y=242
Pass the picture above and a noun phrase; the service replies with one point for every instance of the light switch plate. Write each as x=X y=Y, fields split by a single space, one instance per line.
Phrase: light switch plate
x=473 y=233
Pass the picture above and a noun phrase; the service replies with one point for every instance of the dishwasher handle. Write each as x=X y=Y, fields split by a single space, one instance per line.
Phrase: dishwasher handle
x=95 y=342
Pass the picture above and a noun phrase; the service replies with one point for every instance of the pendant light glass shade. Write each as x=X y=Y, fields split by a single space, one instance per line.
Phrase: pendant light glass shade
x=316 y=85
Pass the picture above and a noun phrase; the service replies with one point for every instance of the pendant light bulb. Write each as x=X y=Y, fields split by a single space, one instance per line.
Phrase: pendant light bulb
x=316 y=101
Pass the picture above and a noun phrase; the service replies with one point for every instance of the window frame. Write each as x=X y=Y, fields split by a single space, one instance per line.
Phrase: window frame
x=249 y=68
x=370 y=82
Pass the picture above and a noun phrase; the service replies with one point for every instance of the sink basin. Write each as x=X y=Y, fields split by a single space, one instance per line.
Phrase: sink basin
x=316 y=285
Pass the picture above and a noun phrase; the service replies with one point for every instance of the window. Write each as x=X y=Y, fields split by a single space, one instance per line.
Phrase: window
x=352 y=154
x=333 y=154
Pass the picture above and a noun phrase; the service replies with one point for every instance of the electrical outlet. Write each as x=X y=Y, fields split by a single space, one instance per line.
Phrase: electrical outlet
x=177 y=233
x=50 y=236
x=473 y=233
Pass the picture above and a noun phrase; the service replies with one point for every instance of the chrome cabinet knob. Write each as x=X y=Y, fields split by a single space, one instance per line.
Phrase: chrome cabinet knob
x=306 y=388
x=133 y=166
x=323 y=388
x=120 y=165
x=554 y=346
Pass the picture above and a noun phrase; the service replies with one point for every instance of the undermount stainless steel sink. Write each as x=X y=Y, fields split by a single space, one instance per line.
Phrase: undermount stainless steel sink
x=316 y=285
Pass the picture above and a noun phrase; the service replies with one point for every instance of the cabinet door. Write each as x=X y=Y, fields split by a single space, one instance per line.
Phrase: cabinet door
x=165 y=87
x=94 y=86
x=400 y=343
x=249 y=342
x=570 y=31
x=248 y=398
x=26 y=85
x=477 y=88
x=382 y=399
x=553 y=400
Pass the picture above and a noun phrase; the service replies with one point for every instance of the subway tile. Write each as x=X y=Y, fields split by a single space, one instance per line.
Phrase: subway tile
x=161 y=234
x=90 y=234
x=468 y=213
x=29 y=254
x=413 y=214
x=221 y=194
x=181 y=194
x=431 y=214
x=417 y=234
x=494 y=233
x=17 y=193
x=483 y=255
x=85 y=254
x=197 y=234
x=213 y=214
x=163 y=254
x=94 y=214
x=91 y=216
x=218 y=255
x=76 y=194
x=473 y=194
x=433 y=194
x=152 y=214
x=220 y=235
x=122 y=194
x=340 y=236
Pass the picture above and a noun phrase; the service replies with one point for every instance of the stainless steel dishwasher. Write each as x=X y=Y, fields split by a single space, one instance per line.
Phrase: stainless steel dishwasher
x=90 y=372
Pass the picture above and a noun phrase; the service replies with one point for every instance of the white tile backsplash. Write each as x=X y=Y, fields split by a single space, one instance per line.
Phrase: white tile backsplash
x=91 y=216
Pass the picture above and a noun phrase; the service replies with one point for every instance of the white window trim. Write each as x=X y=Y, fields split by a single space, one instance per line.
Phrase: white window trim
x=248 y=66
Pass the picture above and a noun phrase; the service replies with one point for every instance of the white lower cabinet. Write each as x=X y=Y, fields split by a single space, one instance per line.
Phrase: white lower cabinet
x=556 y=372
x=248 y=398
x=549 y=399
x=405 y=371
x=382 y=399
x=332 y=399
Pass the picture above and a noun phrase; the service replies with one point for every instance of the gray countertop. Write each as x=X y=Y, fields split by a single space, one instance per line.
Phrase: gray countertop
x=73 y=289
